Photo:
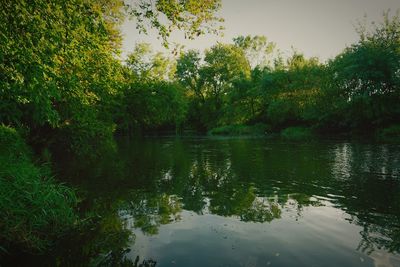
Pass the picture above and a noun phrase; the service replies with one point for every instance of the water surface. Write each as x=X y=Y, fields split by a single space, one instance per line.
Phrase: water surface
x=244 y=202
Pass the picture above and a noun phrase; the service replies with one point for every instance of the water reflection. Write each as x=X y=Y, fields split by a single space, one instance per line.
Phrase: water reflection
x=148 y=211
x=341 y=167
x=339 y=199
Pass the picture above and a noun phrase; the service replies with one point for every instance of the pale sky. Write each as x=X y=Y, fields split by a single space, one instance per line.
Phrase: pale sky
x=321 y=28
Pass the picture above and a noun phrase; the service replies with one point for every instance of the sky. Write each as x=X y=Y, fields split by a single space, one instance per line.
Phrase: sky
x=320 y=28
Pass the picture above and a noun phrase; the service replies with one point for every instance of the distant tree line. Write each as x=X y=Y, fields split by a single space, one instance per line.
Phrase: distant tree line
x=249 y=82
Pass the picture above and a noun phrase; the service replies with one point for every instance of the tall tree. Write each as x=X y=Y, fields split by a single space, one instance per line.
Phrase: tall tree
x=224 y=64
x=188 y=72
x=58 y=67
x=146 y=65
x=257 y=49
x=364 y=80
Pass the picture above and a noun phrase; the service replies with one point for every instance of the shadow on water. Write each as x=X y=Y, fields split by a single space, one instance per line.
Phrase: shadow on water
x=155 y=182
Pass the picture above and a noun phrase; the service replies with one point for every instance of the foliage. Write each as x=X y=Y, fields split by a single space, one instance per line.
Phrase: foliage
x=60 y=76
x=58 y=70
x=188 y=72
x=257 y=49
x=223 y=65
x=146 y=65
x=298 y=86
x=151 y=105
x=61 y=79
x=188 y=68
x=193 y=17
x=363 y=85
x=208 y=84
x=237 y=84
x=35 y=210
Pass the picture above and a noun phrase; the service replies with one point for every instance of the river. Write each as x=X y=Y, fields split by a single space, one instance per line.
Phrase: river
x=240 y=202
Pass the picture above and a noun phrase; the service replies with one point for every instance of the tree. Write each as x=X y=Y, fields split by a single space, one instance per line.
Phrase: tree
x=193 y=17
x=224 y=64
x=364 y=80
x=290 y=90
x=245 y=99
x=256 y=48
x=58 y=67
x=149 y=66
x=188 y=75
x=188 y=72
x=209 y=83
x=152 y=105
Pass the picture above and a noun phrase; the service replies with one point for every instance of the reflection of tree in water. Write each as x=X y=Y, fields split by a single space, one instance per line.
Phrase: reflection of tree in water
x=144 y=263
x=119 y=260
x=261 y=210
x=239 y=179
x=228 y=180
x=193 y=196
x=379 y=231
x=216 y=188
x=375 y=236
x=230 y=197
x=150 y=210
x=208 y=189
x=371 y=189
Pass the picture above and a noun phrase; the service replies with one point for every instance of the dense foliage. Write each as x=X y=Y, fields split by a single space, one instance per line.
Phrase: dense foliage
x=61 y=78
x=62 y=81
x=249 y=82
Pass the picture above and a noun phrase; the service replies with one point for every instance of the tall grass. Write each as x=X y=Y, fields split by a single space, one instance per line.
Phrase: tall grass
x=34 y=209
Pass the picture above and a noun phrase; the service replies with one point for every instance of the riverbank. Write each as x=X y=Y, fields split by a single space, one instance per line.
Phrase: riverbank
x=301 y=133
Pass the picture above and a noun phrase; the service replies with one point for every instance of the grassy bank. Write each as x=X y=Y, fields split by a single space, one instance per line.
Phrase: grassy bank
x=34 y=209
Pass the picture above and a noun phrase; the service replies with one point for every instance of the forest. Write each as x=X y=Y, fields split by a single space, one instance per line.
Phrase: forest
x=65 y=89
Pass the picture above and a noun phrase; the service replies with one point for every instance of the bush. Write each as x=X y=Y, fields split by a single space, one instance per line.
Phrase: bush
x=257 y=129
x=297 y=133
x=34 y=209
